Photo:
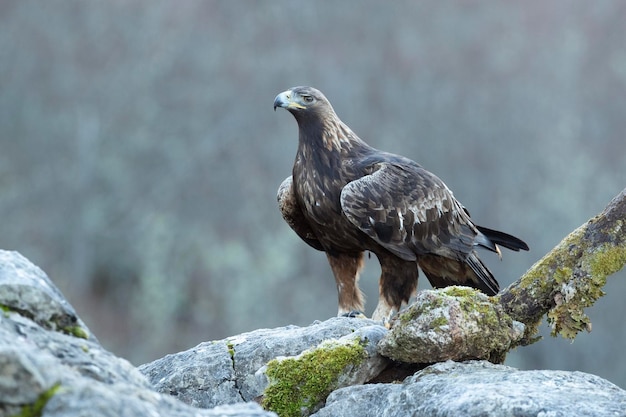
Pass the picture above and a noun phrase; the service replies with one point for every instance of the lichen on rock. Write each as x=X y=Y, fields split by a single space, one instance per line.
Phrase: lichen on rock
x=456 y=323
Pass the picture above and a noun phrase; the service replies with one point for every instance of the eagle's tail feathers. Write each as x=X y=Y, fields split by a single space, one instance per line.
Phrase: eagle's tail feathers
x=503 y=239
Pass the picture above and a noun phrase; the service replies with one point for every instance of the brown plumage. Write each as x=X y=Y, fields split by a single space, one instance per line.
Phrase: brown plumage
x=345 y=197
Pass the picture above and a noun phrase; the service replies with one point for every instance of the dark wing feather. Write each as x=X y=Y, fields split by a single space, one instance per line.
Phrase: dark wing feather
x=292 y=213
x=409 y=211
x=443 y=272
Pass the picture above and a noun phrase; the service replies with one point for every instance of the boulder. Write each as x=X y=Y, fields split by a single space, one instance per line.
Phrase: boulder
x=480 y=388
x=51 y=365
x=299 y=385
x=226 y=371
x=26 y=289
x=454 y=323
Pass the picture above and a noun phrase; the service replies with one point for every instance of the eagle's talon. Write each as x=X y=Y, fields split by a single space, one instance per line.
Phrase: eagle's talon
x=355 y=314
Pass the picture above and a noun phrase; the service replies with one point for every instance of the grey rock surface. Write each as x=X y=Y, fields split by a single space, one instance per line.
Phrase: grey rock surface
x=479 y=388
x=374 y=363
x=27 y=289
x=202 y=376
x=38 y=359
x=225 y=371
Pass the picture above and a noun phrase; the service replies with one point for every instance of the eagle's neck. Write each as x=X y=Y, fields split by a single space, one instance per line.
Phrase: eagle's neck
x=325 y=162
x=327 y=134
x=326 y=156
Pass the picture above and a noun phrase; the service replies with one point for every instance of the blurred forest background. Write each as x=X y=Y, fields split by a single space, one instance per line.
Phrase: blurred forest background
x=140 y=155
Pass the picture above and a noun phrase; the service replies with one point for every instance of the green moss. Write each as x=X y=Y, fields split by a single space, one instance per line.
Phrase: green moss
x=533 y=282
x=536 y=284
x=460 y=291
x=407 y=315
x=567 y=280
x=6 y=310
x=439 y=322
x=455 y=322
x=54 y=323
x=231 y=351
x=76 y=331
x=10 y=309
x=567 y=317
x=300 y=384
x=416 y=310
x=608 y=261
x=494 y=322
x=36 y=409
x=562 y=275
x=472 y=301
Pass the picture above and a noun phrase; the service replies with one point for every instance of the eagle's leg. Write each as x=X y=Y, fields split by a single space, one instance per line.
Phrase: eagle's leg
x=346 y=268
x=398 y=283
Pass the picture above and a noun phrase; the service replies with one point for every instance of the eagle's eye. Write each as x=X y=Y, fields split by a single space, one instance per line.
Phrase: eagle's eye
x=307 y=99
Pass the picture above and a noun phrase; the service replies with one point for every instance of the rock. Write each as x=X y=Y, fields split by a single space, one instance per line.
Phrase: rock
x=255 y=349
x=27 y=289
x=51 y=365
x=49 y=371
x=225 y=371
x=300 y=384
x=454 y=323
x=126 y=404
x=479 y=388
x=201 y=377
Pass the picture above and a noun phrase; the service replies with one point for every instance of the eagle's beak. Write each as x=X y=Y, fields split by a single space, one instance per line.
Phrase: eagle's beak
x=284 y=100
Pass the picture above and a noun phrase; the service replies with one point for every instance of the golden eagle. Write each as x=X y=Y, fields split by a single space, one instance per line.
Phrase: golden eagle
x=344 y=197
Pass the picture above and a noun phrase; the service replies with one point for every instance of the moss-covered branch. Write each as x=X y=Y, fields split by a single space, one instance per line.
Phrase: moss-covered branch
x=571 y=276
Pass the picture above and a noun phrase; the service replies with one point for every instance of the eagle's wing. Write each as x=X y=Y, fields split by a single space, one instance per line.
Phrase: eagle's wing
x=292 y=213
x=410 y=212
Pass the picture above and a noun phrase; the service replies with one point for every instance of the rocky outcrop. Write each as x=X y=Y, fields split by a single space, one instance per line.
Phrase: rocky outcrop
x=52 y=365
x=227 y=371
x=479 y=388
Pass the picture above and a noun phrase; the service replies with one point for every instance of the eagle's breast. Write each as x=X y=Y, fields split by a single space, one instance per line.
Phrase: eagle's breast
x=318 y=181
x=316 y=190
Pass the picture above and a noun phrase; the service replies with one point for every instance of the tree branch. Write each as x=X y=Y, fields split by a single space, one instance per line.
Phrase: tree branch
x=571 y=276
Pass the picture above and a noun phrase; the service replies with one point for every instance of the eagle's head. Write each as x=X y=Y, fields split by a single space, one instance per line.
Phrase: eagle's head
x=304 y=103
